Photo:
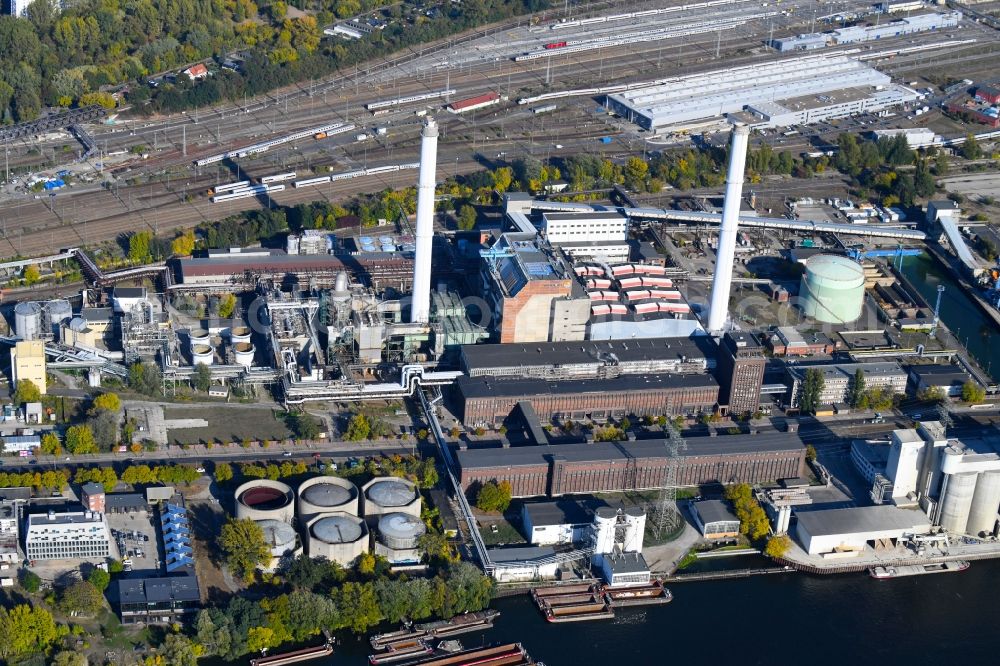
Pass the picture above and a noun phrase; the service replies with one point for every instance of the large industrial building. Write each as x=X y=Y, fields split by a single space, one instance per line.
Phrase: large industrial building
x=785 y=92
x=532 y=292
x=625 y=466
x=853 y=530
x=741 y=372
x=838 y=378
x=67 y=536
x=590 y=360
x=490 y=401
x=594 y=235
x=868 y=33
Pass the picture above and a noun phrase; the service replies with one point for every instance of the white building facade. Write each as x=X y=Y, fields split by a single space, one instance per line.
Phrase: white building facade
x=67 y=536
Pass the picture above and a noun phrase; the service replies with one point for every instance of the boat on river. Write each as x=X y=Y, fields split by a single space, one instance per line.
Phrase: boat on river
x=884 y=573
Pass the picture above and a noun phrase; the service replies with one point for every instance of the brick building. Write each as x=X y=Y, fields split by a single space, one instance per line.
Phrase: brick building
x=640 y=465
x=740 y=368
x=489 y=401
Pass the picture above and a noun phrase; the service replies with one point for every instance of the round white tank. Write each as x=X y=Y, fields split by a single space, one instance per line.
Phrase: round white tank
x=389 y=494
x=339 y=537
x=323 y=495
x=832 y=289
x=400 y=531
x=635 y=519
x=202 y=354
x=262 y=499
x=202 y=338
x=57 y=312
x=28 y=320
x=604 y=529
x=957 y=501
x=279 y=536
x=244 y=352
x=239 y=335
x=985 y=502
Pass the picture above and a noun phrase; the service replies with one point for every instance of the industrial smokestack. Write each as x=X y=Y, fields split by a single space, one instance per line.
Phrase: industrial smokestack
x=421 y=303
x=727 y=231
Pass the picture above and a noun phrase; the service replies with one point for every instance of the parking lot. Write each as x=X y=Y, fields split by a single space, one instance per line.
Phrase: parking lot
x=134 y=536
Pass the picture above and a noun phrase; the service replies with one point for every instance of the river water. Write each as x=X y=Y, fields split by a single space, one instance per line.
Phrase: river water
x=962 y=316
x=783 y=618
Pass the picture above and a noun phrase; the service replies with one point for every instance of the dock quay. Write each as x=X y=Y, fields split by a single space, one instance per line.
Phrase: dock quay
x=733 y=573
x=506 y=654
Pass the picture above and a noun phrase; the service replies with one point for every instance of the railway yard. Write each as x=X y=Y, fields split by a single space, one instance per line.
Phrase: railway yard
x=117 y=191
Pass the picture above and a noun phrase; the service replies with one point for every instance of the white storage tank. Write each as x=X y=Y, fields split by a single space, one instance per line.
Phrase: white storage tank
x=281 y=539
x=244 y=352
x=957 y=501
x=985 y=502
x=57 y=312
x=263 y=499
x=389 y=494
x=239 y=335
x=339 y=537
x=605 y=519
x=323 y=495
x=28 y=320
x=832 y=289
x=199 y=337
x=202 y=354
x=635 y=520
x=399 y=537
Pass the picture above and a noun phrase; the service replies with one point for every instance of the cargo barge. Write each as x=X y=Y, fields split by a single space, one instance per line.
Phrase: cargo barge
x=460 y=624
x=644 y=595
x=506 y=654
x=296 y=656
x=885 y=573
x=404 y=650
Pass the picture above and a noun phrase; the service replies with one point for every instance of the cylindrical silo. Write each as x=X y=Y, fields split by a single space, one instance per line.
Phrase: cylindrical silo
x=604 y=529
x=28 y=320
x=280 y=537
x=202 y=354
x=324 y=495
x=339 y=537
x=262 y=499
x=399 y=537
x=390 y=494
x=239 y=334
x=832 y=289
x=957 y=501
x=199 y=338
x=635 y=519
x=57 y=312
x=244 y=352
x=985 y=502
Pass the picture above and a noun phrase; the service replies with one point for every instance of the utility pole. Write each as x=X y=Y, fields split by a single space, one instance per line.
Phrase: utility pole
x=184 y=140
x=937 y=311
x=718 y=43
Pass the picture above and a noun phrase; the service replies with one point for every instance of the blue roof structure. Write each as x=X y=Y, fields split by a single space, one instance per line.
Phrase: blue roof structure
x=176 y=537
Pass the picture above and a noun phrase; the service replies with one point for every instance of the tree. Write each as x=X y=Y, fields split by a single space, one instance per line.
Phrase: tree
x=31 y=275
x=223 y=472
x=100 y=579
x=366 y=564
x=67 y=658
x=467 y=218
x=970 y=149
x=202 y=379
x=26 y=391
x=973 y=392
x=636 y=170
x=305 y=426
x=145 y=378
x=502 y=179
x=812 y=389
x=138 y=247
x=106 y=401
x=183 y=245
x=25 y=630
x=243 y=546
x=51 y=444
x=934 y=394
x=227 y=306
x=260 y=639
x=857 y=390
x=30 y=581
x=81 y=597
x=80 y=440
x=777 y=546
x=178 y=650
x=810 y=453
x=494 y=496
x=358 y=428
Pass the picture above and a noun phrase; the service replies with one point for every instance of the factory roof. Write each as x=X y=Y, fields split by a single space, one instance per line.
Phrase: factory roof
x=68 y=518
x=92 y=488
x=520 y=553
x=859 y=519
x=130 y=292
x=940 y=372
x=164 y=589
x=714 y=511
x=561 y=512
x=588 y=351
x=839 y=370
x=697 y=447
x=487 y=386
x=125 y=502
x=228 y=264
x=626 y=563
x=474 y=101
x=595 y=215
x=15 y=494
x=97 y=314
x=634 y=327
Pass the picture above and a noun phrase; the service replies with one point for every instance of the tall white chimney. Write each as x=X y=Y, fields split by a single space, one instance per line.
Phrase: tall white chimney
x=719 y=306
x=421 y=304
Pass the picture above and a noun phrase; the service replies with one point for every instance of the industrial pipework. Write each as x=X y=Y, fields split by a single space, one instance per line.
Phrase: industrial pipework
x=421 y=303
x=719 y=306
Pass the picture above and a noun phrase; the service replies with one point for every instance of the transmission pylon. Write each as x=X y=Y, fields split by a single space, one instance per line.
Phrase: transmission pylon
x=662 y=514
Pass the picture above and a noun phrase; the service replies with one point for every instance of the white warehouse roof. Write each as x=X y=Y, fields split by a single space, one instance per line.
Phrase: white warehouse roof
x=711 y=94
